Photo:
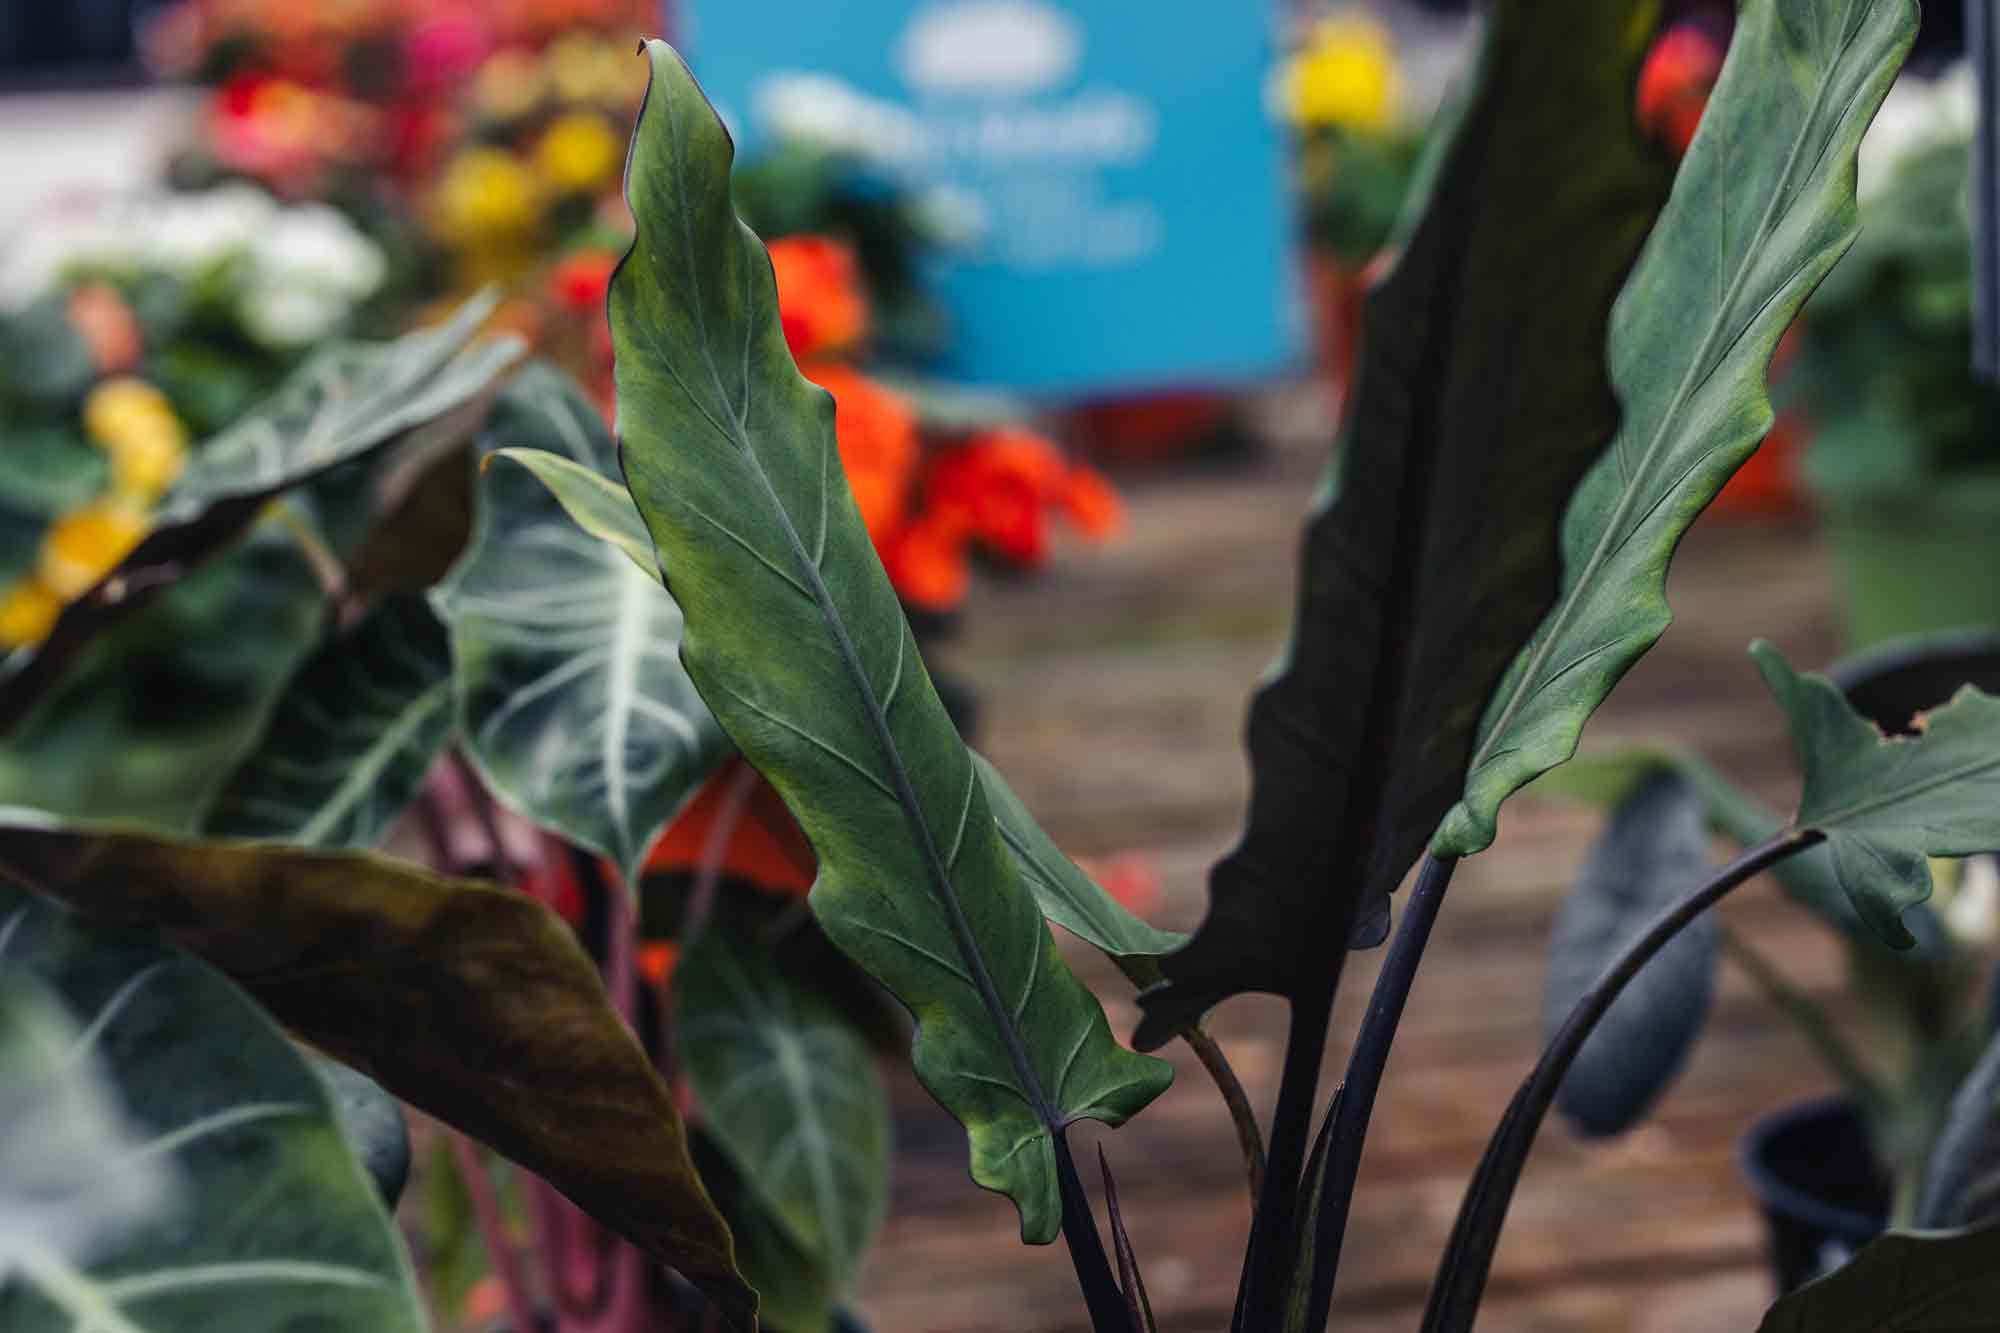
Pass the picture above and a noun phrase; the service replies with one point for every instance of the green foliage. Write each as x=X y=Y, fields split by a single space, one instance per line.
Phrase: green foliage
x=1962 y=1178
x=788 y=1088
x=1886 y=804
x=1431 y=554
x=351 y=740
x=570 y=691
x=1902 y=1283
x=474 y=1004
x=1762 y=208
x=797 y=642
x=1653 y=852
x=183 y=1163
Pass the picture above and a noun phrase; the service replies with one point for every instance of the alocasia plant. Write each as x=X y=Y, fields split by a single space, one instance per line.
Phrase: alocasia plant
x=1560 y=373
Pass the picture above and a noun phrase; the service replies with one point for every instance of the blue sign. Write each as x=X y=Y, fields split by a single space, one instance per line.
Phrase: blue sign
x=1115 y=182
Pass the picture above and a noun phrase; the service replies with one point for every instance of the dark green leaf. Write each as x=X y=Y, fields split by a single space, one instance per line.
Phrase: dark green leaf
x=1481 y=399
x=471 y=1003
x=424 y=528
x=788 y=1087
x=1902 y=1283
x=1652 y=854
x=795 y=1289
x=263 y=1220
x=571 y=693
x=43 y=355
x=1886 y=804
x=49 y=470
x=333 y=410
x=798 y=643
x=1762 y=207
x=352 y=738
x=373 y=1124
x=1962 y=1177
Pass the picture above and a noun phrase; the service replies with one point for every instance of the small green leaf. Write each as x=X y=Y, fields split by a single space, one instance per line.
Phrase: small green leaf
x=1886 y=804
x=595 y=502
x=798 y=643
x=1930 y=1282
x=474 y=1004
x=261 y=1218
x=372 y=1122
x=788 y=1088
x=571 y=695
x=1652 y=854
x=1962 y=1175
x=351 y=740
x=1762 y=207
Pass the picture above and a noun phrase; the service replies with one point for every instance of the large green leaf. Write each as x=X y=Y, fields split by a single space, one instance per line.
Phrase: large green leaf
x=352 y=738
x=798 y=643
x=472 y=1003
x=788 y=1087
x=1929 y=1282
x=571 y=694
x=1762 y=208
x=262 y=1218
x=1066 y=895
x=1431 y=554
x=1886 y=804
x=1652 y=854
x=333 y=410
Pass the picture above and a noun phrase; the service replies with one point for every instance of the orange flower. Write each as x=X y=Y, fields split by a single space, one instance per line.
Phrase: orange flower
x=1090 y=503
x=766 y=847
x=926 y=561
x=999 y=484
x=657 y=960
x=820 y=300
x=1675 y=82
x=878 y=444
x=108 y=326
x=580 y=280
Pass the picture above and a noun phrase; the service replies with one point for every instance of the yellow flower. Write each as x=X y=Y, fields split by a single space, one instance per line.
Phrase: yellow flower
x=28 y=612
x=123 y=408
x=145 y=463
x=579 y=154
x=1345 y=76
x=487 y=193
x=86 y=544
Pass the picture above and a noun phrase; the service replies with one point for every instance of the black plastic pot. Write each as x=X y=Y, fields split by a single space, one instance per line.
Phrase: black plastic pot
x=1814 y=1175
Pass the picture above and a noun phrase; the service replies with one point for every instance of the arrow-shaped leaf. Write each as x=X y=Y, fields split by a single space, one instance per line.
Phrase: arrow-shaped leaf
x=1762 y=207
x=798 y=643
x=1886 y=804
x=351 y=740
x=788 y=1087
x=571 y=694
x=259 y=1218
x=474 y=1004
x=1432 y=554
x=1932 y=1282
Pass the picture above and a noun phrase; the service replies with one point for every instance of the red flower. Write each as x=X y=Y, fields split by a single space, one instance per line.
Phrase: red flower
x=820 y=300
x=580 y=281
x=1674 y=84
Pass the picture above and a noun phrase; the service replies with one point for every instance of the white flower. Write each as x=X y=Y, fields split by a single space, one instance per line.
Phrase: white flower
x=316 y=246
x=289 y=316
x=1917 y=114
x=187 y=234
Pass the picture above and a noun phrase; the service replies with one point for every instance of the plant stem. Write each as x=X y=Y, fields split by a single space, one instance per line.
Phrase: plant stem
x=1812 y=1024
x=1259 y=1296
x=1461 y=1276
x=1101 y=1293
x=492 y=1221
x=481 y=804
x=1249 y=1137
x=1355 y=1104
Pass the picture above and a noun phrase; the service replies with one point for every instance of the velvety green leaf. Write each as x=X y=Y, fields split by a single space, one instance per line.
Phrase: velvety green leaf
x=1651 y=855
x=571 y=694
x=333 y=410
x=1930 y=1282
x=372 y=1122
x=1762 y=207
x=1885 y=804
x=471 y=1003
x=596 y=503
x=798 y=643
x=1962 y=1176
x=262 y=1220
x=351 y=740
x=788 y=1088
x=1480 y=400
x=795 y=1289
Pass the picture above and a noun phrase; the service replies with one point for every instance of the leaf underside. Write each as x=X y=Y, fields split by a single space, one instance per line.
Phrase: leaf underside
x=797 y=642
x=261 y=1218
x=472 y=1003
x=571 y=696
x=1762 y=207
x=1929 y=1283
x=351 y=739
x=1481 y=400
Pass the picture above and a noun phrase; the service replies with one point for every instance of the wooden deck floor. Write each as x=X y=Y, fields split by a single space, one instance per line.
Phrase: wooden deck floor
x=1114 y=694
